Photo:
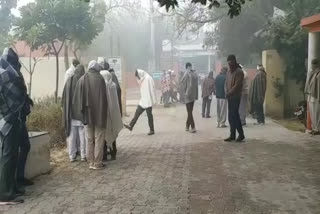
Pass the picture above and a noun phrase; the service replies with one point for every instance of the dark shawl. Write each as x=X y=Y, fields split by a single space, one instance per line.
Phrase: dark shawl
x=258 y=88
x=90 y=98
x=69 y=110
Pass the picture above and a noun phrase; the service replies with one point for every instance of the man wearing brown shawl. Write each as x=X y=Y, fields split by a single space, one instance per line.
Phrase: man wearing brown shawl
x=208 y=89
x=312 y=90
x=257 y=94
x=90 y=100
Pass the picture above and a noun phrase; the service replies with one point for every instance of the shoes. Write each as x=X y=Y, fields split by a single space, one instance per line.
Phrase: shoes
x=193 y=131
x=100 y=167
x=240 y=139
x=25 y=182
x=244 y=124
x=128 y=127
x=20 y=191
x=230 y=139
x=223 y=126
x=73 y=160
x=187 y=129
x=83 y=159
x=12 y=202
x=208 y=116
x=151 y=133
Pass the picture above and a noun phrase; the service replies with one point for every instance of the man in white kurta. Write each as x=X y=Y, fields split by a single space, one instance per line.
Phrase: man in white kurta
x=313 y=92
x=147 y=100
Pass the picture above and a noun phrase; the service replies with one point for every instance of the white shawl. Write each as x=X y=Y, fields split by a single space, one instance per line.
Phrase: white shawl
x=114 y=120
x=147 y=90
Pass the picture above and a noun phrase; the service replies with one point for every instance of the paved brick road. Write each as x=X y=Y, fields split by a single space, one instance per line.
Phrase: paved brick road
x=275 y=172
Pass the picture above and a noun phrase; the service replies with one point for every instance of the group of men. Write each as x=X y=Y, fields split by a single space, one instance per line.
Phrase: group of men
x=15 y=106
x=169 y=87
x=231 y=88
x=92 y=114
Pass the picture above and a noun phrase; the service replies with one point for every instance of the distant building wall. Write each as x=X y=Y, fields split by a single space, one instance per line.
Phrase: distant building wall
x=44 y=77
x=275 y=69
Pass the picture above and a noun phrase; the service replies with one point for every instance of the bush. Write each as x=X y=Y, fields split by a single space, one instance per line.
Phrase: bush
x=46 y=116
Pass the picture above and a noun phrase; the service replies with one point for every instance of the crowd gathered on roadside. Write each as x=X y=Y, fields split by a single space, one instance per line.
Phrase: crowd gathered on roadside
x=235 y=96
x=92 y=110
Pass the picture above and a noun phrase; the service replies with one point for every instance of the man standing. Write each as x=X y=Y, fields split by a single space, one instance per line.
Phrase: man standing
x=257 y=94
x=190 y=92
x=244 y=98
x=24 y=144
x=147 y=100
x=13 y=97
x=222 y=103
x=234 y=83
x=105 y=66
x=208 y=88
x=313 y=91
x=74 y=128
x=91 y=97
x=70 y=72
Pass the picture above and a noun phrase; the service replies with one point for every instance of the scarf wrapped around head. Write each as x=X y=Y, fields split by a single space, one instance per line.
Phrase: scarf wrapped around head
x=93 y=65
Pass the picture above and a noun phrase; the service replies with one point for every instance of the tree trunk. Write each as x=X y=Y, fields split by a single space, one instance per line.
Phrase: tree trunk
x=30 y=72
x=30 y=83
x=66 y=56
x=57 y=78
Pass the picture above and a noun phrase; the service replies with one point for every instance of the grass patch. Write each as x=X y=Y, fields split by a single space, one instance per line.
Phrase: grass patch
x=46 y=115
x=292 y=124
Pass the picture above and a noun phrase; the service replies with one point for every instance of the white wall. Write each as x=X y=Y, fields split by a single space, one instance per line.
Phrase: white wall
x=44 y=77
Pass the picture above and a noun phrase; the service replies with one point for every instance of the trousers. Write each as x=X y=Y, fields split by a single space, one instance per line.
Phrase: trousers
x=190 y=120
x=206 y=106
x=259 y=112
x=243 y=108
x=77 y=132
x=95 y=146
x=138 y=113
x=24 y=149
x=9 y=146
x=222 y=109
x=234 y=117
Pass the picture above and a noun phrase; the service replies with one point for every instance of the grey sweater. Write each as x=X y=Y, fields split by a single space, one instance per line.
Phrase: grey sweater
x=190 y=86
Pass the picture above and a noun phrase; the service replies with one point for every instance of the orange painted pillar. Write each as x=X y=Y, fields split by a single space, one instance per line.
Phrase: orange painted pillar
x=309 y=122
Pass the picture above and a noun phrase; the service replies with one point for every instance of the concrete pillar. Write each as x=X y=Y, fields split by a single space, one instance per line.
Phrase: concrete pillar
x=314 y=47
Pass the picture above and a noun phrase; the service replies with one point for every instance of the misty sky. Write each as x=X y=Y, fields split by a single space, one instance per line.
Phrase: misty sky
x=24 y=2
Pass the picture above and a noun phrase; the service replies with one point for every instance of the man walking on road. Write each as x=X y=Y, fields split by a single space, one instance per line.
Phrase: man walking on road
x=147 y=100
x=190 y=92
x=208 y=89
x=222 y=103
x=234 y=83
x=257 y=94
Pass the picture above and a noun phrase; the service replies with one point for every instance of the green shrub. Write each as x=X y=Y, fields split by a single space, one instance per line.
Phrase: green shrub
x=46 y=116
